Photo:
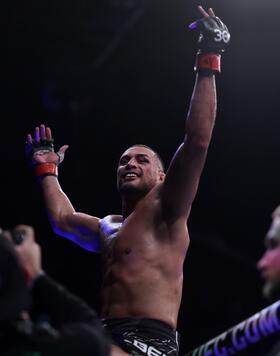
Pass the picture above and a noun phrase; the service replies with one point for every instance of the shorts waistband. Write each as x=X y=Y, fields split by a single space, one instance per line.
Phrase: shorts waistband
x=133 y=322
x=143 y=326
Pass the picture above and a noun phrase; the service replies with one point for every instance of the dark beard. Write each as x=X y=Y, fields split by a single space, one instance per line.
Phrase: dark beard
x=130 y=190
x=271 y=290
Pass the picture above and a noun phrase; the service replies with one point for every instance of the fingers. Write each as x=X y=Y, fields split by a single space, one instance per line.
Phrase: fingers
x=7 y=234
x=37 y=134
x=194 y=25
x=63 y=149
x=29 y=139
x=48 y=134
x=211 y=12
x=61 y=153
x=205 y=13
x=202 y=11
x=41 y=133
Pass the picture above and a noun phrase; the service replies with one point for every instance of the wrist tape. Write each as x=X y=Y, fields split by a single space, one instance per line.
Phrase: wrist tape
x=45 y=169
x=208 y=63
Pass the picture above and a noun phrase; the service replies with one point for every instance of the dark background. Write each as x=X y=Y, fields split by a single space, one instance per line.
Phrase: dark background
x=107 y=74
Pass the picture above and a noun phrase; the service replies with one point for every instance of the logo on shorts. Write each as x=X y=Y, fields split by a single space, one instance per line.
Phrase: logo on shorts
x=146 y=349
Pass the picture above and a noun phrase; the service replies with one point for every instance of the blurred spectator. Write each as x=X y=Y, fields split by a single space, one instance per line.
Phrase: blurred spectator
x=269 y=264
x=37 y=314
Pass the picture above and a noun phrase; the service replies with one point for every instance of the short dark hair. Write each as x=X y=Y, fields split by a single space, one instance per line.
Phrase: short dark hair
x=151 y=149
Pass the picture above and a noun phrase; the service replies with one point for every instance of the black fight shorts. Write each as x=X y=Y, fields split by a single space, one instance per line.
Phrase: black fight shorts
x=140 y=337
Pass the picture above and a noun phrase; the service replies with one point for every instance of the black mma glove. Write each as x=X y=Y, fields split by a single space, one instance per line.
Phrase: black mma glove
x=43 y=148
x=213 y=40
x=38 y=148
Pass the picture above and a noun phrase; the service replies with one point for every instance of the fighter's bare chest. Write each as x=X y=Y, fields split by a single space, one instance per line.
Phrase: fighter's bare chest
x=123 y=239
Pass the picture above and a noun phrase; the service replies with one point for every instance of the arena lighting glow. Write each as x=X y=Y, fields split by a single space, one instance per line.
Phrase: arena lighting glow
x=93 y=245
x=193 y=26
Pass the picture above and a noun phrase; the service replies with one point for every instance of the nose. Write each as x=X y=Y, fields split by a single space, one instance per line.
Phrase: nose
x=262 y=263
x=131 y=163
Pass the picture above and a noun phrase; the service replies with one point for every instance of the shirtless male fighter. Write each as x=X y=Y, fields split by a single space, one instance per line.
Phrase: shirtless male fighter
x=145 y=247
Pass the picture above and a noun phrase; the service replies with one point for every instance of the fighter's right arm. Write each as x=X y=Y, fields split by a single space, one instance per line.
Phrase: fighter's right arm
x=78 y=227
x=65 y=221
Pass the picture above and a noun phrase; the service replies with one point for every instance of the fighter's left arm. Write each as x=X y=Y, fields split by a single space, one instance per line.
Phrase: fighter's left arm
x=183 y=175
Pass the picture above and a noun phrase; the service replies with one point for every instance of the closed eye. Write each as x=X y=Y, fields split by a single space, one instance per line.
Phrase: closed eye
x=142 y=158
x=124 y=160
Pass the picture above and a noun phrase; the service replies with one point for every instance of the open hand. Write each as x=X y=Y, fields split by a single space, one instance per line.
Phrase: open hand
x=40 y=149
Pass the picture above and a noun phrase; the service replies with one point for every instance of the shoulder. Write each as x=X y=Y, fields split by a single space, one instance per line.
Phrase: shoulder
x=110 y=225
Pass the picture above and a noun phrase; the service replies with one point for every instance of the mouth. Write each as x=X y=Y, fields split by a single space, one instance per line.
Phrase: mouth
x=265 y=276
x=130 y=176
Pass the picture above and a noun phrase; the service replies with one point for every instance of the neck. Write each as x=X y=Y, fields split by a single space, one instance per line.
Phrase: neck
x=129 y=203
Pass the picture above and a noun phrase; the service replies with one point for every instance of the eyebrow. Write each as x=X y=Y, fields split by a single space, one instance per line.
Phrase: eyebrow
x=138 y=155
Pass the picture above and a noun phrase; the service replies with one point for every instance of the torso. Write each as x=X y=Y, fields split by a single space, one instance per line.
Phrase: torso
x=143 y=264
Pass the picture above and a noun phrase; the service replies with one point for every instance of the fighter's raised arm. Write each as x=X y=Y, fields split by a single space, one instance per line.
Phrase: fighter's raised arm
x=65 y=221
x=182 y=177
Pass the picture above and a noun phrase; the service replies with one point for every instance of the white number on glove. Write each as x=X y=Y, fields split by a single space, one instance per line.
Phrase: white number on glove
x=221 y=36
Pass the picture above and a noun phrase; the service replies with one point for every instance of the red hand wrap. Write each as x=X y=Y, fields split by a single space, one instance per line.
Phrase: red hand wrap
x=208 y=62
x=46 y=169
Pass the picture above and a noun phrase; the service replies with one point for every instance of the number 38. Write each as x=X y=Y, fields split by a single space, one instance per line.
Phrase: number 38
x=221 y=36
